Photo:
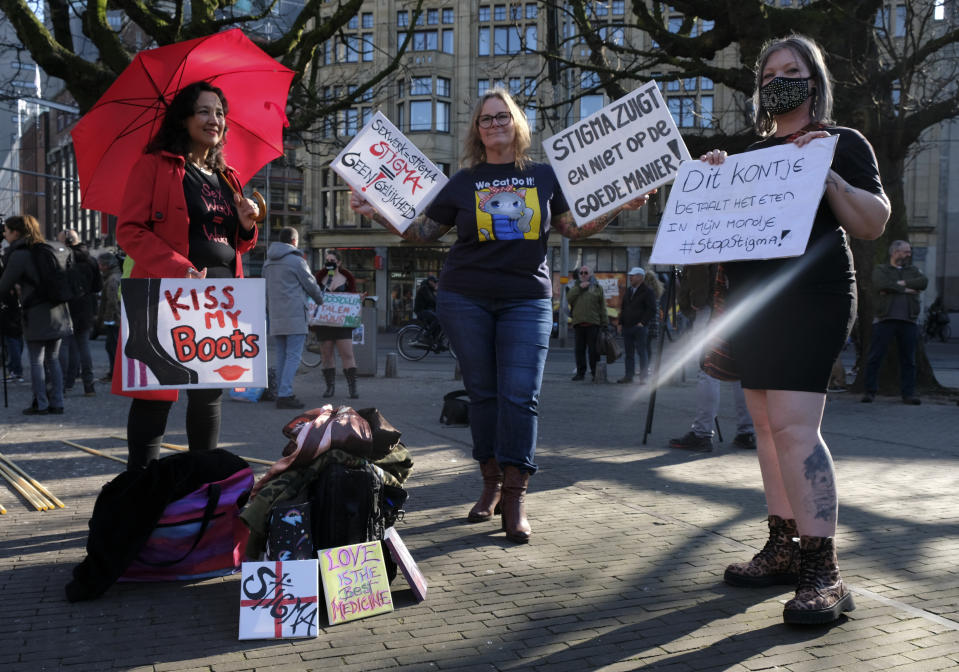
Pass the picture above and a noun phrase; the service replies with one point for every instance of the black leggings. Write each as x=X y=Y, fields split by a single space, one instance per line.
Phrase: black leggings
x=146 y=425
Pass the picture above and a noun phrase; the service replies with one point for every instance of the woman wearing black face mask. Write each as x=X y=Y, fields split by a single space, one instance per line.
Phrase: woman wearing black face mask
x=334 y=278
x=784 y=348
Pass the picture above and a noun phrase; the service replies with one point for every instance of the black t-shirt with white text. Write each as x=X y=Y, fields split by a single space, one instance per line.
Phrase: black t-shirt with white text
x=213 y=222
x=502 y=219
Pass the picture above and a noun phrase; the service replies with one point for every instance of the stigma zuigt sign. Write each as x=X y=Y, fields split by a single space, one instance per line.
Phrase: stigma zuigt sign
x=619 y=153
x=755 y=205
x=384 y=167
x=178 y=333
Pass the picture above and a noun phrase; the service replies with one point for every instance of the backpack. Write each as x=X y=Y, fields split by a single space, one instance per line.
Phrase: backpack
x=456 y=411
x=59 y=278
x=352 y=505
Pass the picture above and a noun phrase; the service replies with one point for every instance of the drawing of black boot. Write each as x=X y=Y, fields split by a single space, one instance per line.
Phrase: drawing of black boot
x=141 y=301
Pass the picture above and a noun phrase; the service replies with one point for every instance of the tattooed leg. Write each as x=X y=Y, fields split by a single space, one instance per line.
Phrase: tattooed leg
x=820 y=501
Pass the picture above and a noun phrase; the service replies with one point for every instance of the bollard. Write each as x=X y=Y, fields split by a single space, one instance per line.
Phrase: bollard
x=457 y=372
x=390 y=365
x=600 y=372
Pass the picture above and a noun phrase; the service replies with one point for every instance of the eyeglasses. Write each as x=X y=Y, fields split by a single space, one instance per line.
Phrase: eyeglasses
x=584 y=272
x=501 y=119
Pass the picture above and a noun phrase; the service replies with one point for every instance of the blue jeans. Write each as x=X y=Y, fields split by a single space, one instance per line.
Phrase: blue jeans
x=76 y=360
x=635 y=340
x=288 y=348
x=14 y=355
x=502 y=346
x=46 y=353
x=907 y=335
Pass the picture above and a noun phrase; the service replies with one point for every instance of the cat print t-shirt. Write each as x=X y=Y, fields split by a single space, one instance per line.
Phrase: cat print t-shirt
x=502 y=217
x=213 y=222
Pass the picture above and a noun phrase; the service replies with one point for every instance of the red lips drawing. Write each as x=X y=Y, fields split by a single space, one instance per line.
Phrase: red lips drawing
x=231 y=372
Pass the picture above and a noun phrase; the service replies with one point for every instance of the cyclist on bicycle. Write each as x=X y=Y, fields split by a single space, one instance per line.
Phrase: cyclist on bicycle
x=424 y=309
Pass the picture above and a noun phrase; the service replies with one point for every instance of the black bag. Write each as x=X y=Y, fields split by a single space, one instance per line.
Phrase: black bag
x=60 y=279
x=351 y=506
x=456 y=410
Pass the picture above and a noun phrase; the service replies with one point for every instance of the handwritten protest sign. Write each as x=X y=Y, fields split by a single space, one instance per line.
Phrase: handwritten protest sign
x=624 y=150
x=339 y=309
x=405 y=561
x=179 y=333
x=279 y=600
x=756 y=205
x=389 y=171
x=355 y=582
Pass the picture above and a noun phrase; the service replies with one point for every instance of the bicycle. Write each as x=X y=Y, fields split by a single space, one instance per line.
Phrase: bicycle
x=310 y=357
x=414 y=343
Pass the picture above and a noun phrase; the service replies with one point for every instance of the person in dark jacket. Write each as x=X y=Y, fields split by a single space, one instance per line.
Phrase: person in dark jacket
x=288 y=282
x=587 y=303
x=75 y=358
x=897 y=285
x=108 y=313
x=44 y=323
x=424 y=307
x=11 y=327
x=638 y=311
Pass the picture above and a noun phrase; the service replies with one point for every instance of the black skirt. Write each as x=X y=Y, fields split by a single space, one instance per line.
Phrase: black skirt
x=333 y=333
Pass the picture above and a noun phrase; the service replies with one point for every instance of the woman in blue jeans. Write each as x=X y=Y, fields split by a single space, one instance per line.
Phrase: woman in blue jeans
x=495 y=293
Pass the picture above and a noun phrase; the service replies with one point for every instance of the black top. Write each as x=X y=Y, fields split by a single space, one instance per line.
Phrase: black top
x=213 y=222
x=826 y=265
x=502 y=219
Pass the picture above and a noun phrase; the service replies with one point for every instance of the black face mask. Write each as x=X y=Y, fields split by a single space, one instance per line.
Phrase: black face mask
x=784 y=94
x=330 y=266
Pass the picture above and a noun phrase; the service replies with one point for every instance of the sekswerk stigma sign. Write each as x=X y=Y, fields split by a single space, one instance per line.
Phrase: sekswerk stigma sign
x=389 y=171
x=755 y=205
x=178 y=333
x=619 y=153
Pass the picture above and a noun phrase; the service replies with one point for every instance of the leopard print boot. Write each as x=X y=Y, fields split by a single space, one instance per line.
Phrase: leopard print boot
x=777 y=563
x=822 y=596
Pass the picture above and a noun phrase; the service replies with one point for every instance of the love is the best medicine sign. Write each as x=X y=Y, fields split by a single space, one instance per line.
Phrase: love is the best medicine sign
x=755 y=205
x=389 y=171
x=619 y=153
x=355 y=582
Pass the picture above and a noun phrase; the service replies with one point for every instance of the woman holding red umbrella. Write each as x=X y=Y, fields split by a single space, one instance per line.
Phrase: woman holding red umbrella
x=183 y=216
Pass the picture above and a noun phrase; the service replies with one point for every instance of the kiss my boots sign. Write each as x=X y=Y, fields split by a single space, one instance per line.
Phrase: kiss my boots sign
x=179 y=333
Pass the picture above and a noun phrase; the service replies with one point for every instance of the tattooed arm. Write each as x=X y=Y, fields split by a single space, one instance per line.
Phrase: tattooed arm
x=565 y=225
x=421 y=230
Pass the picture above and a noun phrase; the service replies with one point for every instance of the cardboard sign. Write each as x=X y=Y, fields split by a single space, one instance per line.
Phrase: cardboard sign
x=179 y=333
x=339 y=309
x=278 y=600
x=355 y=582
x=619 y=153
x=755 y=205
x=406 y=563
x=389 y=171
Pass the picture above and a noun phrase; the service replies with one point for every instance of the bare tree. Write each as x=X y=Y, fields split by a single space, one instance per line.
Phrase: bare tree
x=895 y=69
x=87 y=45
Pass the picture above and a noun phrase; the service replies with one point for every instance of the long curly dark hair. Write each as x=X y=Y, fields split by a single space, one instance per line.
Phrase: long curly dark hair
x=172 y=136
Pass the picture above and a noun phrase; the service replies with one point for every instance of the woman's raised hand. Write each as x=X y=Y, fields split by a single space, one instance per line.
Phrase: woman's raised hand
x=360 y=205
x=714 y=157
x=246 y=210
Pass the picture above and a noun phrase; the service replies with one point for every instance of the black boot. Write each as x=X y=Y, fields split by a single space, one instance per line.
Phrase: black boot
x=141 y=298
x=350 y=374
x=329 y=375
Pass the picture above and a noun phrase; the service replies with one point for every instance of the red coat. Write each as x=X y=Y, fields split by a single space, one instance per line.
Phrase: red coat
x=154 y=230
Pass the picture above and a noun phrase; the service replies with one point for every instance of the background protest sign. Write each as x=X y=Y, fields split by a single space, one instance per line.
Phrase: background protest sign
x=355 y=582
x=389 y=171
x=180 y=333
x=339 y=309
x=278 y=600
x=617 y=154
x=755 y=205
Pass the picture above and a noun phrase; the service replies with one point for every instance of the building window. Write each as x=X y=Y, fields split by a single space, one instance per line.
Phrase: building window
x=448 y=15
x=421 y=115
x=432 y=17
x=443 y=87
x=447 y=40
x=402 y=18
x=499 y=13
x=484 y=14
x=531 y=10
x=367 y=20
x=509 y=34
x=482 y=48
x=482 y=86
x=425 y=40
x=590 y=104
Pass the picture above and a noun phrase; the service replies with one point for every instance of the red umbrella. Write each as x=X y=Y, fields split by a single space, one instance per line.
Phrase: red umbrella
x=110 y=138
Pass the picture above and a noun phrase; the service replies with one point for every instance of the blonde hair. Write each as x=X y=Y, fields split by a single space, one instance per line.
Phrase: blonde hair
x=654 y=282
x=28 y=227
x=475 y=152
x=810 y=53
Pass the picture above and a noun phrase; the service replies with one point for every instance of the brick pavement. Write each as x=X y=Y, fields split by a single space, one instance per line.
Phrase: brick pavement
x=624 y=570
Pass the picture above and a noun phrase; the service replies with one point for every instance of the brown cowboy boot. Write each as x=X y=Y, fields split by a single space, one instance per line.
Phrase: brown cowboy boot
x=515 y=482
x=777 y=563
x=822 y=596
x=488 y=504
